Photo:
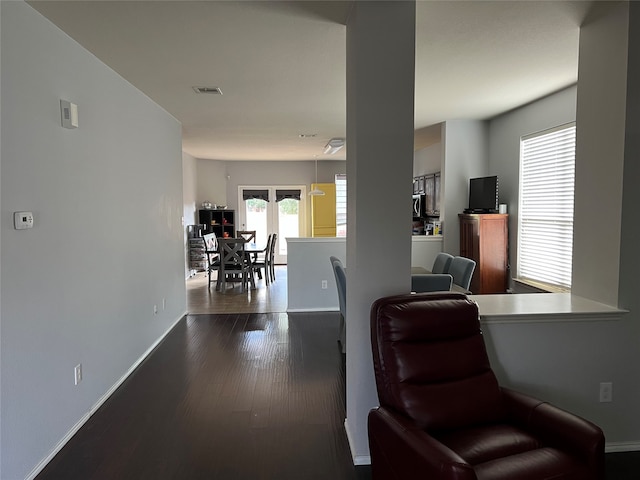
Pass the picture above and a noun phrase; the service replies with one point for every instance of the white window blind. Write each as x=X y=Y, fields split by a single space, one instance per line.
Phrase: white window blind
x=341 y=205
x=547 y=179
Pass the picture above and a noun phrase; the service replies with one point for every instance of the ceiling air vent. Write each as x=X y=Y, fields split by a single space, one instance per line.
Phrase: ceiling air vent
x=209 y=90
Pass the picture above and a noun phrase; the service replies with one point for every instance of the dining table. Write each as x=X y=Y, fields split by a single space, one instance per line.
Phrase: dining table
x=252 y=249
x=454 y=287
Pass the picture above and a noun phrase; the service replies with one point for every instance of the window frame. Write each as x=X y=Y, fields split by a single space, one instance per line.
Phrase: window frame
x=539 y=251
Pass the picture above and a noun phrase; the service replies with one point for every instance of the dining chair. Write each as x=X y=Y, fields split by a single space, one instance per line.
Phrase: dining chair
x=249 y=237
x=341 y=283
x=234 y=264
x=261 y=263
x=461 y=269
x=211 y=250
x=431 y=282
x=271 y=257
x=442 y=263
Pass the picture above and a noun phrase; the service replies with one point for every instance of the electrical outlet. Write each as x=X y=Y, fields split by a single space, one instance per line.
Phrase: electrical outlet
x=324 y=284
x=606 y=392
x=77 y=374
x=155 y=309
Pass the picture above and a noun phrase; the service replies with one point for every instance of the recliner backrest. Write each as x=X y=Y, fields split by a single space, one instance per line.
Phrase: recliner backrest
x=430 y=360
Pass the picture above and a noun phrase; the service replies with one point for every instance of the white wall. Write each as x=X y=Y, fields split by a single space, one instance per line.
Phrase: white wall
x=566 y=362
x=600 y=132
x=504 y=149
x=379 y=169
x=211 y=182
x=107 y=243
x=189 y=197
x=428 y=160
x=466 y=153
x=307 y=266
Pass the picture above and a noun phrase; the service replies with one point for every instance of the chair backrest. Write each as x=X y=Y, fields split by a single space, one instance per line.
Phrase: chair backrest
x=441 y=263
x=232 y=255
x=210 y=242
x=272 y=248
x=248 y=235
x=431 y=282
x=461 y=269
x=430 y=361
x=341 y=283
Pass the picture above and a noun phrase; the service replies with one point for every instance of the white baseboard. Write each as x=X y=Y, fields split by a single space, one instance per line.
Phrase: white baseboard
x=611 y=447
x=63 y=441
x=311 y=310
x=357 y=459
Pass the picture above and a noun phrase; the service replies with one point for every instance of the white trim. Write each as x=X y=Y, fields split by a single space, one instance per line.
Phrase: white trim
x=362 y=460
x=320 y=309
x=542 y=308
x=357 y=459
x=612 y=447
x=63 y=441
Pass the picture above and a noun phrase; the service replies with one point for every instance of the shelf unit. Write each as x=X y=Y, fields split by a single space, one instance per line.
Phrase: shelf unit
x=197 y=255
x=220 y=222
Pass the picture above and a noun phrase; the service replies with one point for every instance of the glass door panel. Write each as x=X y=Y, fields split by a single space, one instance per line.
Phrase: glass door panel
x=286 y=217
x=256 y=218
x=288 y=225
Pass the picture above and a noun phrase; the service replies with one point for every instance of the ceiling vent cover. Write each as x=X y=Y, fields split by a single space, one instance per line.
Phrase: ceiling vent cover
x=209 y=90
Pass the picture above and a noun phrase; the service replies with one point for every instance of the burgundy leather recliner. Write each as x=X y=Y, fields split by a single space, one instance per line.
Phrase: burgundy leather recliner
x=442 y=414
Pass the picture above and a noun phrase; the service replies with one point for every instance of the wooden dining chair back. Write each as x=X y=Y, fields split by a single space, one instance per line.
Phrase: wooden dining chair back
x=235 y=265
x=262 y=264
x=271 y=256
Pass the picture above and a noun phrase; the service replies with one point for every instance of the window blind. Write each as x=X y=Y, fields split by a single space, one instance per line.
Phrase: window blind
x=545 y=233
x=282 y=194
x=259 y=194
x=341 y=205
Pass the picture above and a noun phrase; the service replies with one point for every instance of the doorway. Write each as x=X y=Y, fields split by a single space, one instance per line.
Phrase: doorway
x=268 y=209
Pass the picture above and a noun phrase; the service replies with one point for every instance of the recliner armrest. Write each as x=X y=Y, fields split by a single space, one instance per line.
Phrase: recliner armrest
x=558 y=428
x=400 y=450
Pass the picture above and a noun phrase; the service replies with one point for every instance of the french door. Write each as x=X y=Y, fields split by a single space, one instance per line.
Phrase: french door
x=273 y=209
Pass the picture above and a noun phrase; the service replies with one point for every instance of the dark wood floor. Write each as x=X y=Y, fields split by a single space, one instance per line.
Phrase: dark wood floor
x=227 y=396
x=233 y=396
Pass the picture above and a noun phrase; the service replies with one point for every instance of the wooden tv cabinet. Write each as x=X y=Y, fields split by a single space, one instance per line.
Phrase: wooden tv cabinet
x=485 y=239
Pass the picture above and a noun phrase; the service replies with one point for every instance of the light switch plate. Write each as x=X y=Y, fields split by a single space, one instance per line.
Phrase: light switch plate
x=22 y=220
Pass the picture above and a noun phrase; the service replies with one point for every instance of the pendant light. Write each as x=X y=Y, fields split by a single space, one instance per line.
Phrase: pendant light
x=316 y=191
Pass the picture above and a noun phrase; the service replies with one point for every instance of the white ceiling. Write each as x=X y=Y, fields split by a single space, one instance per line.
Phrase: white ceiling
x=281 y=65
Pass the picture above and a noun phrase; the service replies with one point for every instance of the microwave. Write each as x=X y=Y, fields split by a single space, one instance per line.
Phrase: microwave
x=419 y=205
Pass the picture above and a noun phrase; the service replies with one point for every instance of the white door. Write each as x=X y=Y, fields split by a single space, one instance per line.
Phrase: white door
x=263 y=209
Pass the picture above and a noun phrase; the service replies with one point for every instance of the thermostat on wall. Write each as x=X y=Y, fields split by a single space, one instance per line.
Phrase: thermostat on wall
x=22 y=220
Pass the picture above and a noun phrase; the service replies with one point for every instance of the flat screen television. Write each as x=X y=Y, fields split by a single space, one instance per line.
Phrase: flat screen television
x=483 y=195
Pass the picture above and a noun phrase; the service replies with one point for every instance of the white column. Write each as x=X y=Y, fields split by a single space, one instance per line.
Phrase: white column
x=380 y=124
x=600 y=131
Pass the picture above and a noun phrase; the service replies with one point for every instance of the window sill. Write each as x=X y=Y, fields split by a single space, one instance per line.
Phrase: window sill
x=540 y=287
x=542 y=308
